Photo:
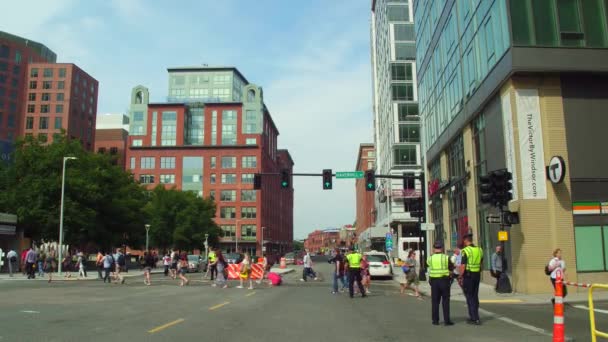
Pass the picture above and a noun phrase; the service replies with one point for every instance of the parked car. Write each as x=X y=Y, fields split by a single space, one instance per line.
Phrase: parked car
x=234 y=258
x=379 y=264
x=196 y=263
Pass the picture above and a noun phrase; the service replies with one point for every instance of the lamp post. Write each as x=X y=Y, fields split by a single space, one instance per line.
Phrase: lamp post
x=262 y=241
x=147 y=230
x=236 y=236
x=60 y=261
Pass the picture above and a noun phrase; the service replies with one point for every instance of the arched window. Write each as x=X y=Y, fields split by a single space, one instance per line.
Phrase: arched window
x=139 y=97
x=250 y=95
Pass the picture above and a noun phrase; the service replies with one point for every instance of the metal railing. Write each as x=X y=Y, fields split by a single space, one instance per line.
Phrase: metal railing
x=594 y=332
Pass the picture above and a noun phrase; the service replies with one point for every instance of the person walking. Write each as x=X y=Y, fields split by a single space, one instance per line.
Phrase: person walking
x=148 y=265
x=66 y=265
x=40 y=263
x=30 y=260
x=108 y=263
x=338 y=261
x=245 y=272
x=212 y=259
x=23 y=264
x=365 y=276
x=50 y=264
x=557 y=264
x=174 y=262
x=82 y=271
x=439 y=277
x=470 y=276
x=308 y=268
x=121 y=264
x=354 y=272
x=182 y=268
x=410 y=276
x=13 y=264
x=220 y=263
x=99 y=264
x=166 y=263
x=498 y=265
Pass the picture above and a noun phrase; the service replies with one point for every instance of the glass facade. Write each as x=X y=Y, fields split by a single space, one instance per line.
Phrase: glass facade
x=192 y=174
x=168 y=132
x=229 y=127
x=205 y=85
x=195 y=127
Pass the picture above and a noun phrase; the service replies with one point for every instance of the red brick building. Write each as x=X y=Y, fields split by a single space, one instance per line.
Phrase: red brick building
x=202 y=146
x=114 y=142
x=15 y=54
x=60 y=96
x=320 y=241
x=366 y=209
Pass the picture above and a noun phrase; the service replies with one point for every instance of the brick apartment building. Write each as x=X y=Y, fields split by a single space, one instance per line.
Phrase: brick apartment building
x=60 y=96
x=321 y=241
x=210 y=140
x=366 y=209
x=15 y=54
x=112 y=141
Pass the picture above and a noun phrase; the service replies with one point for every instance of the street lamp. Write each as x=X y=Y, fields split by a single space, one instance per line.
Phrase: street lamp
x=147 y=230
x=236 y=236
x=262 y=241
x=60 y=261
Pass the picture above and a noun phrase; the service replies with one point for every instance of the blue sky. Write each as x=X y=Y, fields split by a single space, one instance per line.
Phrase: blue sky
x=311 y=57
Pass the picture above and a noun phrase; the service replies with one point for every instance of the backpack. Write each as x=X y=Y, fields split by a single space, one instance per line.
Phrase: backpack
x=547 y=270
x=121 y=259
x=13 y=259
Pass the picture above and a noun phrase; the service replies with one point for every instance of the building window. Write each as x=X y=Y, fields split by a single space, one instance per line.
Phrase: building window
x=213 y=162
x=405 y=51
x=169 y=125
x=228 y=230
x=133 y=161
x=61 y=85
x=249 y=162
x=58 y=123
x=11 y=124
x=409 y=133
x=31 y=97
x=370 y=165
x=398 y=13
x=58 y=109
x=250 y=95
x=167 y=179
x=167 y=162
x=227 y=212
x=147 y=162
x=229 y=127
x=101 y=150
x=247 y=178
x=408 y=112
x=43 y=137
x=137 y=142
x=29 y=122
x=228 y=196
x=60 y=97
x=248 y=232
x=33 y=84
x=405 y=155
x=31 y=108
x=47 y=73
x=212 y=178
x=195 y=127
x=401 y=72
x=43 y=122
x=146 y=179
x=404 y=32
x=214 y=127
x=228 y=178
x=47 y=85
x=228 y=162
x=113 y=150
x=62 y=72
x=248 y=195
x=212 y=194
x=249 y=212
x=46 y=97
x=34 y=72
x=403 y=91
x=251 y=141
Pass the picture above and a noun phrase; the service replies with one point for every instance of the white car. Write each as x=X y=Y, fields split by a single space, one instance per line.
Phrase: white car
x=379 y=264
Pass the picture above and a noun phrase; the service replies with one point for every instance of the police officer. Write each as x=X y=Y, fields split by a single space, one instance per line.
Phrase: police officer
x=470 y=269
x=439 y=266
x=354 y=272
x=211 y=261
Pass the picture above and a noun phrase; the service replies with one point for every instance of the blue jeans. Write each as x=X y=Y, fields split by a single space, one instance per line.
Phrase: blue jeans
x=341 y=278
x=40 y=269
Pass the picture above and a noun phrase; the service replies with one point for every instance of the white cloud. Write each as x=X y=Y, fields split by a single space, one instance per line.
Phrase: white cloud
x=30 y=18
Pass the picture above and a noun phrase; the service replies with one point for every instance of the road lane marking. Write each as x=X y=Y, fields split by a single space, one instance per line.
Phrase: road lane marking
x=250 y=294
x=501 y=301
x=583 y=307
x=165 y=326
x=30 y=311
x=516 y=323
x=218 y=306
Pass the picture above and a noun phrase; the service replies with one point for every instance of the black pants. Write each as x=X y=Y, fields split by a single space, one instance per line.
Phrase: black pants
x=213 y=271
x=564 y=287
x=106 y=277
x=497 y=275
x=308 y=271
x=29 y=268
x=354 y=274
x=440 y=293
x=166 y=270
x=470 y=286
x=99 y=269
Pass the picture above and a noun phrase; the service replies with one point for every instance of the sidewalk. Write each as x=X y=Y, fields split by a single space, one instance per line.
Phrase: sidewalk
x=282 y=271
x=92 y=275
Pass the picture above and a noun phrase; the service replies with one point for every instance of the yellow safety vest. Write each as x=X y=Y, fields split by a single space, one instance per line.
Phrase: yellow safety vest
x=438 y=265
x=354 y=260
x=212 y=256
x=474 y=255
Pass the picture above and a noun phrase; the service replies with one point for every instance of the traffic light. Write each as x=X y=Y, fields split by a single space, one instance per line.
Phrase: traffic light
x=502 y=181
x=486 y=189
x=370 y=180
x=327 y=179
x=257 y=181
x=284 y=178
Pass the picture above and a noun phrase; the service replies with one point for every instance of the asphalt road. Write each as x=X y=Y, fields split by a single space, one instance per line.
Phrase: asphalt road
x=93 y=311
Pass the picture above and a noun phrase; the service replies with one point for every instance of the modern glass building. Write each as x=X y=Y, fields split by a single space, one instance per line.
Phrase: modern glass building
x=396 y=120
x=514 y=84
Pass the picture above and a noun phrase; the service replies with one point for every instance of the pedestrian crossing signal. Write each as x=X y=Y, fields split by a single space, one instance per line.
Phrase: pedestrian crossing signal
x=370 y=180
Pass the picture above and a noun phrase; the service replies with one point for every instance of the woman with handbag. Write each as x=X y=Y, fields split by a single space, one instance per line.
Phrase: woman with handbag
x=221 y=276
x=245 y=273
x=410 y=276
x=182 y=269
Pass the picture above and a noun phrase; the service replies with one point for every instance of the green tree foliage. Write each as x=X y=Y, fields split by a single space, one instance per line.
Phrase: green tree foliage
x=180 y=219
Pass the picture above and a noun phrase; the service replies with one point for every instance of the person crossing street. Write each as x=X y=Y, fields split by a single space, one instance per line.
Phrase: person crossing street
x=469 y=278
x=354 y=273
x=213 y=264
x=439 y=266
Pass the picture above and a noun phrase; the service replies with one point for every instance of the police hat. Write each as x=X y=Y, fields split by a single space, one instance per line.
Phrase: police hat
x=438 y=245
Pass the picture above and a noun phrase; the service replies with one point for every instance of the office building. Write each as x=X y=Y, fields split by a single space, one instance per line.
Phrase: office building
x=518 y=85
x=366 y=209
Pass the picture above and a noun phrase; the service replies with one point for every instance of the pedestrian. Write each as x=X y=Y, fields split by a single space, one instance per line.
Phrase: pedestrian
x=365 y=276
x=274 y=279
x=354 y=272
x=99 y=264
x=338 y=273
x=148 y=265
x=13 y=264
x=40 y=263
x=409 y=280
x=221 y=264
x=50 y=264
x=108 y=264
x=456 y=259
x=121 y=264
x=23 y=264
x=557 y=264
x=82 y=271
x=212 y=260
x=308 y=268
x=166 y=263
x=30 y=261
x=470 y=276
x=182 y=269
x=439 y=278
x=174 y=262
x=265 y=267
x=66 y=265
x=498 y=265
x=245 y=272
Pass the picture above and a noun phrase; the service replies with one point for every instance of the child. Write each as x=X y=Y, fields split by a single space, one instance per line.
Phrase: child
x=274 y=279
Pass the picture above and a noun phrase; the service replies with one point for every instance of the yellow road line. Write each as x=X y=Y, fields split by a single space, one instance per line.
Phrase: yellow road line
x=218 y=306
x=250 y=294
x=165 y=326
x=500 y=301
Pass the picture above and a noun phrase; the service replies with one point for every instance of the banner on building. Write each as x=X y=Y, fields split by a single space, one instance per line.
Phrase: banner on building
x=507 y=124
x=531 y=148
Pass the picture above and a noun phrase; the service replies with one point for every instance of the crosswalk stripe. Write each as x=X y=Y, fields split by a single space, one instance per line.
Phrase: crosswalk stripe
x=583 y=307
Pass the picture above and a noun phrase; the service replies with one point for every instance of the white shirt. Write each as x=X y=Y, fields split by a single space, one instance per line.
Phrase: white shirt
x=307 y=261
x=11 y=254
x=556 y=264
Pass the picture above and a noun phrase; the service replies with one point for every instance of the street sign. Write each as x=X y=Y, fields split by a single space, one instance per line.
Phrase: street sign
x=493 y=219
x=1 y=257
x=503 y=236
x=388 y=243
x=427 y=226
x=350 y=174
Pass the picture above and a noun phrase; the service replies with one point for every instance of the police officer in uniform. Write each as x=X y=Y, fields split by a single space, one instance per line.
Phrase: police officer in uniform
x=354 y=272
x=470 y=270
x=211 y=261
x=439 y=266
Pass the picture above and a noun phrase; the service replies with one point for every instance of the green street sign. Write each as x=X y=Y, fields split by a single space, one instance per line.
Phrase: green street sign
x=350 y=174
